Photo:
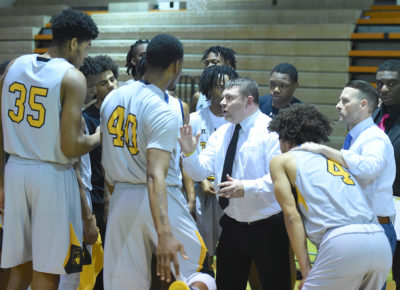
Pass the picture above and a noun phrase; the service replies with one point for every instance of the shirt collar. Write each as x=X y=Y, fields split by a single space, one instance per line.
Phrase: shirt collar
x=357 y=129
x=247 y=123
x=157 y=90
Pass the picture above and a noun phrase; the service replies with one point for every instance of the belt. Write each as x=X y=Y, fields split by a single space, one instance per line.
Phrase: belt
x=384 y=219
x=247 y=224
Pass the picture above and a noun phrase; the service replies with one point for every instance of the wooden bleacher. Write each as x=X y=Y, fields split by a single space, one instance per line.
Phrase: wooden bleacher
x=375 y=40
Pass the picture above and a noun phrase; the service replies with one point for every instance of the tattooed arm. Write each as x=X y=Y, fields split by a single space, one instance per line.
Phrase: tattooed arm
x=168 y=247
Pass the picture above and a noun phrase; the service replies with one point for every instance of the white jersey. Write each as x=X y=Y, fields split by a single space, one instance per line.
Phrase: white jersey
x=205 y=122
x=31 y=108
x=328 y=196
x=134 y=118
x=176 y=106
x=202 y=102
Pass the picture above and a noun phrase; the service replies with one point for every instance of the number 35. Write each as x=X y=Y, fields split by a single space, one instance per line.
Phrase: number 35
x=33 y=104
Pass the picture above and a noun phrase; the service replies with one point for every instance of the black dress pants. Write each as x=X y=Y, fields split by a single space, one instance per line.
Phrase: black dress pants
x=264 y=241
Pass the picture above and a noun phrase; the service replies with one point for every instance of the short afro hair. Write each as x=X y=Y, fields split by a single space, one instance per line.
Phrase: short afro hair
x=390 y=65
x=130 y=68
x=287 y=69
x=227 y=54
x=301 y=123
x=106 y=63
x=72 y=23
x=163 y=50
x=212 y=76
x=90 y=67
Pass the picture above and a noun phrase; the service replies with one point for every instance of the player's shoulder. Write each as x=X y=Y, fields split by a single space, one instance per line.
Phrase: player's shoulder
x=283 y=158
x=72 y=76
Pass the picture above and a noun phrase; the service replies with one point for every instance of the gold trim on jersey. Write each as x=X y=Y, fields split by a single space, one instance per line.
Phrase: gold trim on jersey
x=300 y=198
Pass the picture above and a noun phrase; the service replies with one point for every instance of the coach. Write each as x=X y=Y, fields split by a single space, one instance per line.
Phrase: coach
x=238 y=155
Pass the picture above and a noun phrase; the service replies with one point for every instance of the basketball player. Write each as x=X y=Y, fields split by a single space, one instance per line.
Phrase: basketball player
x=321 y=200
x=42 y=97
x=139 y=135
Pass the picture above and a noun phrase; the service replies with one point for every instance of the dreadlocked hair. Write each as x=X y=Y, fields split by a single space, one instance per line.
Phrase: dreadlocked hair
x=212 y=76
x=226 y=53
x=130 y=68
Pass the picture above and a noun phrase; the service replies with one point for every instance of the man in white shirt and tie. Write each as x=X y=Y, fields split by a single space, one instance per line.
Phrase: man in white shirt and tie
x=238 y=155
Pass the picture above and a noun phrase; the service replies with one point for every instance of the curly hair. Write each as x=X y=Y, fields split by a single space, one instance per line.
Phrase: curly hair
x=90 y=67
x=212 y=76
x=72 y=23
x=227 y=54
x=106 y=63
x=130 y=68
x=301 y=123
x=163 y=50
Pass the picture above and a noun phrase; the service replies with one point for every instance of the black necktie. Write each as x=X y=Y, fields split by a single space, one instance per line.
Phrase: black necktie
x=228 y=163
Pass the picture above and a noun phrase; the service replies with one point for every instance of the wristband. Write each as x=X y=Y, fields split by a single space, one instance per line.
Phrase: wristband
x=188 y=154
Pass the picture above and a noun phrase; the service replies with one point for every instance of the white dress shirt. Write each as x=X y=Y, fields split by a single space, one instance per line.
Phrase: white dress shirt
x=370 y=159
x=256 y=146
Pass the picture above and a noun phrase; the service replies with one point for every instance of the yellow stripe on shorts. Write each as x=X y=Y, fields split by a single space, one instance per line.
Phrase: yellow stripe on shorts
x=203 y=251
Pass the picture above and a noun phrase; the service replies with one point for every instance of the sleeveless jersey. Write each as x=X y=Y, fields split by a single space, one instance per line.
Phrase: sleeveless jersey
x=31 y=108
x=328 y=196
x=135 y=118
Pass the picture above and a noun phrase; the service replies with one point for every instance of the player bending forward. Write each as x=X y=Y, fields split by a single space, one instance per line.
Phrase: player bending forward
x=323 y=201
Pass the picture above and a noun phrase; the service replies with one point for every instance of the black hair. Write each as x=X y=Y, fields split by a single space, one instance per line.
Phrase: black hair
x=301 y=123
x=366 y=91
x=163 y=50
x=106 y=63
x=390 y=65
x=212 y=76
x=3 y=67
x=130 y=68
x=141 y=68
x=90 y=67
x=72 y=23
x=287 y=69
x=227 y=54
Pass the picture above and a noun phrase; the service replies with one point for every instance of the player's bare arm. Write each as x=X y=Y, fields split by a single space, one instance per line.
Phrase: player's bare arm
x=328 y=152
x=283 y=172
x=89 y=219
x=188 y=185
x=186 y=113
x=73 y=91
x=168 y=247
